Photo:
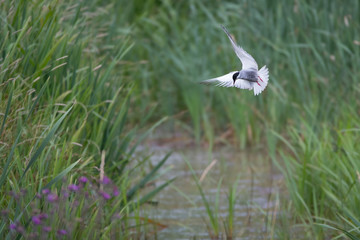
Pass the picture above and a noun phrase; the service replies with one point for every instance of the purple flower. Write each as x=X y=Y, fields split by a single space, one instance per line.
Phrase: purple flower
x=83 y=179
x=4 y=212
x=52 y=197
x=105 y=195
x=116 y=192
x=23 y=192
x=36 y=220
x=47 y=229
x=73 y=187
x=65 y=193
x=45 y=191
x=12 y=226
x=62 y=232
x=106 y=180
x=14 y=194
x=43 y=216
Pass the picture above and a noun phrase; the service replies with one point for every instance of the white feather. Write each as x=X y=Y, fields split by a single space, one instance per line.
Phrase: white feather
x=243 y=84
x=248 y=62
x=222 y=81
x=261 y=84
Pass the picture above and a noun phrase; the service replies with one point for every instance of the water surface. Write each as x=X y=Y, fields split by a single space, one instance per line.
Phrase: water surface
x=180 y=206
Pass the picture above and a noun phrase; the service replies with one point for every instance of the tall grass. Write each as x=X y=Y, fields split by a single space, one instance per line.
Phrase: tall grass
x=65 y=99
x=321 y=172
x=308 y=48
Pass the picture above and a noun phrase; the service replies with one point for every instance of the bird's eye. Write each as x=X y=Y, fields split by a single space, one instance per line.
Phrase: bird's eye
x=235 y=75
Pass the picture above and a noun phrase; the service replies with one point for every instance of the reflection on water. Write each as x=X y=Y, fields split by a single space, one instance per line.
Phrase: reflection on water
x=181 y=208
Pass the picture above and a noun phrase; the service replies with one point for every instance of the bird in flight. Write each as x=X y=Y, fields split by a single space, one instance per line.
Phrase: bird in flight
x=249 y=77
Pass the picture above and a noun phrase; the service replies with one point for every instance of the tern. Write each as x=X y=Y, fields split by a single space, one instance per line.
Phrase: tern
x=249 y=77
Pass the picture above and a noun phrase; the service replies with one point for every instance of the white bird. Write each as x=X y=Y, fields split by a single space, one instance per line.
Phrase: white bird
x=249 y=77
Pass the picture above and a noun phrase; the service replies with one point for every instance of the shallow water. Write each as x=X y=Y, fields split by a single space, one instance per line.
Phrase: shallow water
x=182 y=210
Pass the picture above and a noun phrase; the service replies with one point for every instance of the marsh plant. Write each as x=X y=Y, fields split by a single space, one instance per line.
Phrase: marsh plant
x=64 y=104
x=82 y=209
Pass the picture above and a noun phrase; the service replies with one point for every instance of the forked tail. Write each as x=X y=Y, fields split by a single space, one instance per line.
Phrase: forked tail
x=263 y=78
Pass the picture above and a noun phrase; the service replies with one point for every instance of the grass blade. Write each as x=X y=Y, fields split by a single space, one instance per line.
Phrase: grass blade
x=130 y=194
x=150 y=195
x=61 y=175
x=5 y=169
x=37 y=99
x=7 y=109
x=45 y=142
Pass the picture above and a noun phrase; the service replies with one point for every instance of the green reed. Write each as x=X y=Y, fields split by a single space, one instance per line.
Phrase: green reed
x=65 y=105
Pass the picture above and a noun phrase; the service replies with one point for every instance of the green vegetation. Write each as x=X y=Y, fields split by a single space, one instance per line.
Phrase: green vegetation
x=84 y=82
x=65 y=106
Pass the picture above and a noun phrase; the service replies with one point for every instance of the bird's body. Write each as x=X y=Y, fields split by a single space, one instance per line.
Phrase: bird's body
x=249 y=77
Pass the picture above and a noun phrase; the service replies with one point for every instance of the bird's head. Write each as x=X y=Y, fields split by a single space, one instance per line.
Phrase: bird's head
x=234 y=76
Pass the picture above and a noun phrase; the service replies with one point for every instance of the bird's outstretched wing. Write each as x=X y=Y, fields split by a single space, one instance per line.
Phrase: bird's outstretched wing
x=222 y=81
x=227 y=81
x=248 y=62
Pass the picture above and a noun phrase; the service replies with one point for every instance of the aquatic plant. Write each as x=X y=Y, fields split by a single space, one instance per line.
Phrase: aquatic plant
x=64 y=106
x=71 y=211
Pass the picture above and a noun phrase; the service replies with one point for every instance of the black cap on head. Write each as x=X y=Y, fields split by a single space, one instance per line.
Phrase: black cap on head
x=235 y=76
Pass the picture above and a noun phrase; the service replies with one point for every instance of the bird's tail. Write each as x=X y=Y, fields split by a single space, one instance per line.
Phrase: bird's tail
x=260 y=85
